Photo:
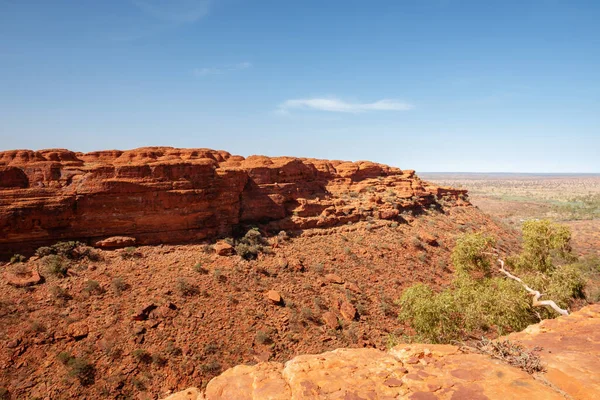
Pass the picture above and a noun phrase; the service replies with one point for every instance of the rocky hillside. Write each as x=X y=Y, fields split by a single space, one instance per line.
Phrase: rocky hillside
x=568 y=347
x=147 y=320
x=168 y=195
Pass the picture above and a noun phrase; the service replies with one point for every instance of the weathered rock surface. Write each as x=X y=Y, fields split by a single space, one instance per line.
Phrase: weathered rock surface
x=168 y=195
x=570 y=350
x=571 y=354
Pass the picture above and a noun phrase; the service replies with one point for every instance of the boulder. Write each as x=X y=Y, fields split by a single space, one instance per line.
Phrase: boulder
x=348 y=311
x=330 y=320
x=223 y=248
x=115 y=242
x=333 y=278
x=274 y=296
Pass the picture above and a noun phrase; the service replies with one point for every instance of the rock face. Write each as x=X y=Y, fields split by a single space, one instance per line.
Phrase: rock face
x=168 y=195
x=571 y=354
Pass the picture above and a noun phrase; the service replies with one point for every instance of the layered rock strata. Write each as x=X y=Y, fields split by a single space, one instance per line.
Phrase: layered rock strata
x=168 y=195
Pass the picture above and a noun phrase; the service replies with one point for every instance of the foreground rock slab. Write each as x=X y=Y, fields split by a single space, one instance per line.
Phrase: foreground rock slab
x=570 y=351
x=571 y=354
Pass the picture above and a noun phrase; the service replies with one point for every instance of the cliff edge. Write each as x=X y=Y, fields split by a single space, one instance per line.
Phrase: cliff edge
x=169 y=195
x=569 y=348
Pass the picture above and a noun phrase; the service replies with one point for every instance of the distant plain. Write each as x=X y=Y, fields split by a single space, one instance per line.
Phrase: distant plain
x=572 y=199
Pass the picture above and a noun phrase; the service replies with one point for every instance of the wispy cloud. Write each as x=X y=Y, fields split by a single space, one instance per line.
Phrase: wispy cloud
x=174 y=11
x=222 y=69
x=337 y=105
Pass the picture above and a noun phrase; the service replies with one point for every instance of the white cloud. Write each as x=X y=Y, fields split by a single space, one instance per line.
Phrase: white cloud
x=223 y=69
x=174 y=11
x=337 y=105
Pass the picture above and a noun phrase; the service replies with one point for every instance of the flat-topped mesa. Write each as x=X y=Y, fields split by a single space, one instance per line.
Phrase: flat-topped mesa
x=170 y=195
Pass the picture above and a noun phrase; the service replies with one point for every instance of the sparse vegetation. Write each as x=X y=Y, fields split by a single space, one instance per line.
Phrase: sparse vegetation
x=512 y=353
x=93 y=287
x=130 y=253
x=142 y=356
x=78 y=368
x=212 y=367
x=71 y=250
x=263 y=337
x=18 y=258
x=59 y=293
x=200 y=269
x=185 y=288
x=56 y=265
x=118 y=285
x=250 y=245
x=481 y=300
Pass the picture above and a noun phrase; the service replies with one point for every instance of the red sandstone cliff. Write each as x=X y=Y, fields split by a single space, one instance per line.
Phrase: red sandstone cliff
x=169 y=195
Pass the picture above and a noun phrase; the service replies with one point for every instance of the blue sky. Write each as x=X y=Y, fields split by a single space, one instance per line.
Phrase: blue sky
x=431 y=85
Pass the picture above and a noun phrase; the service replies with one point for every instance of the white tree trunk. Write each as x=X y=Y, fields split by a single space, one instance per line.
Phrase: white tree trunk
x=536 y=294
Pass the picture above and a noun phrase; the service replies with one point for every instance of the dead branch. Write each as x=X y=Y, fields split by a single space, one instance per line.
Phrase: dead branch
x=536 y=302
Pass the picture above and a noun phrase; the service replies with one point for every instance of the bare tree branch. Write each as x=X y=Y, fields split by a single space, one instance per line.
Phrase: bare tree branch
x=536 y=302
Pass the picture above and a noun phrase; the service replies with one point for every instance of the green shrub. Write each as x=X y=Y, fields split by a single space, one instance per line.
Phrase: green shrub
x=481 y=299
x=159 y=360
x=263 y=337
x=468 y=254
x=78 y=368
x=186 y=288
x=430 y=314
x=93 y=287
x=130 y=253
x=56 y=265
x=71 y=250
x=200 y=269
x=249 y=246
x=543 y=240
x=83 y=371
x=59 y=293
x=118 y=285
x=212 y=367
x=18 y=258
x=142 y=356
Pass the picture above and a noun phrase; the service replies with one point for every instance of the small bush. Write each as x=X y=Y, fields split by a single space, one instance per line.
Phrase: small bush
x=283 y=236
x=142 y=356
x=319 y=268
x=118 y=285
x=83 y=371
x=512 y=353
x=173 y=350
x=78 y=368
x=71 y=250
x=218 y=275
x=416 y=242
x=59 y=293
x=211 y=348
x=249 y=246
x=93 y=287
x=130 y=253
x=212 y=367
x=200 y=269
x=56 y=265
x=263 y=337
x=543 y=241
x=18 y=258
x=309 y=315
x=186 y=288
x=64 y=357
x=468 y=254
x=159 y=360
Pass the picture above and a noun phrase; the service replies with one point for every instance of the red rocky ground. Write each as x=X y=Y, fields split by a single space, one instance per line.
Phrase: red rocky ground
x=139 y=322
